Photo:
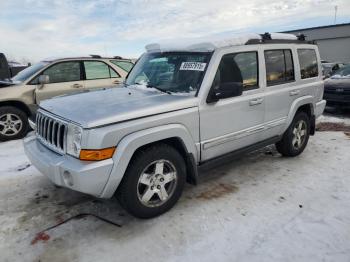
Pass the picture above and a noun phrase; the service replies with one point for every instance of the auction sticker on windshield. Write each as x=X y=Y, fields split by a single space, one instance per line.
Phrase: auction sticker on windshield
x=194 y=66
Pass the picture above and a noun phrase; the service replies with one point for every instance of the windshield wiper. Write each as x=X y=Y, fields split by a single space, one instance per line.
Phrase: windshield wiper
x=155 y=87
x=158 y=88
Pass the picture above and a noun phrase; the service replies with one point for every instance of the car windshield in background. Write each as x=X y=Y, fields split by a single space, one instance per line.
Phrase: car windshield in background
x=342 y=73
x=125 y=65
x=176 y=72
x=29 y=71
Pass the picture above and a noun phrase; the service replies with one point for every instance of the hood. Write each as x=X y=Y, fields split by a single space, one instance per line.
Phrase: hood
x=103 y=107
x=337 y=83
x=6 y=83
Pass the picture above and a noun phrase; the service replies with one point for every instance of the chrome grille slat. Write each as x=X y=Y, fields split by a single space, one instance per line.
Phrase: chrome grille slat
x=51 y=132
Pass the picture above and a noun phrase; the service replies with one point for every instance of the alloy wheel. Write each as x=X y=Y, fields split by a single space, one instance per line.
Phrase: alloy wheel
x=10 y=124
x=299 y=134
x=157 y=183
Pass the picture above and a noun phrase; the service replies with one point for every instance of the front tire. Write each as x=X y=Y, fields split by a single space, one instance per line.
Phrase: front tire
x=13 y=123
x=295 y=138
x=153 y=181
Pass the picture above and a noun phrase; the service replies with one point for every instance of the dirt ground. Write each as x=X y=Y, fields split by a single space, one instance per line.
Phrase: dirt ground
x=262 y=207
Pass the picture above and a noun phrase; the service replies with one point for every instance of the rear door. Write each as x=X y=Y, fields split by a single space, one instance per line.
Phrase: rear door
x=99 y=74
x=281 y=88
x=64 y=78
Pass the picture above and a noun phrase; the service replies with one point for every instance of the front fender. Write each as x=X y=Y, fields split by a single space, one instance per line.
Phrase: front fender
x=304 y=100
x=130 y=143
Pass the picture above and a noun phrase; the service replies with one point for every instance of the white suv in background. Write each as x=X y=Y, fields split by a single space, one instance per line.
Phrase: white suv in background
x=20 y=96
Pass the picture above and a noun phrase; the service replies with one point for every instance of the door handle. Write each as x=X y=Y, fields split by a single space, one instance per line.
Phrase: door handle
x=77 y=85
x=294 y=92
x=116 y=82
x=256 y=101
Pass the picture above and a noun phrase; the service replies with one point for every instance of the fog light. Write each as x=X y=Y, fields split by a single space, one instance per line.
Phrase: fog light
x=67 y=178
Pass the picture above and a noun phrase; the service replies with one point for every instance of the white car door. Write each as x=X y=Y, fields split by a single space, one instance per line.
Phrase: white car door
x=234 y=122
x=99 y=75
x=281 y=88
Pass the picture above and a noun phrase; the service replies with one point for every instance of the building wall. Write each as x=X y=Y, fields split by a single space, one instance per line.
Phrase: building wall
x=333 y=41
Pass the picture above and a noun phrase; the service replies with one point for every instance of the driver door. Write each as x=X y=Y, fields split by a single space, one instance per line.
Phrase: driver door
x=233 y=122
x=64 y=78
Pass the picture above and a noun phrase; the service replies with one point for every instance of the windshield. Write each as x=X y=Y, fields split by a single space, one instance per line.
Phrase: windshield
x=342 y=73
x=175 y=72
x=29 y=71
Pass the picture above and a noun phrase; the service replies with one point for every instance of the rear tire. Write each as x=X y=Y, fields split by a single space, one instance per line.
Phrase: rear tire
x=153 y=181
x=295 y=138
x=13 y=123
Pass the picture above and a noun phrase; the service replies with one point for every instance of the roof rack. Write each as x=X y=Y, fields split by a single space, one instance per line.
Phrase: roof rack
x=278 y=38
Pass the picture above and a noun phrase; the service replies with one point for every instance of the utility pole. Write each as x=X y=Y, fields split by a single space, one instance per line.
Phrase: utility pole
x=335 y=13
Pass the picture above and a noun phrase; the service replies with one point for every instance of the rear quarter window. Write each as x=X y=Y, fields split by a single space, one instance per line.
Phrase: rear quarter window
x=308 y=63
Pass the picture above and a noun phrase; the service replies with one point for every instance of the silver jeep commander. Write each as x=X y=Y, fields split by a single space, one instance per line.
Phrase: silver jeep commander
x=182 y=105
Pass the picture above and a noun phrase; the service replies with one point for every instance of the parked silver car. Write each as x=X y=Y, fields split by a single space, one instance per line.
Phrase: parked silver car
x=184 y=104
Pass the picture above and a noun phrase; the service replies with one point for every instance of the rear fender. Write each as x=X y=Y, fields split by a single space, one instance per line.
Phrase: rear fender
x=295 y=106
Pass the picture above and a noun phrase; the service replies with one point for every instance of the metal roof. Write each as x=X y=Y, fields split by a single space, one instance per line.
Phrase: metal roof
x=317 y=27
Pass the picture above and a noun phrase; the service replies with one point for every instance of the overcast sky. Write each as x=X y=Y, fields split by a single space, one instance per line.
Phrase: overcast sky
x=35 y=29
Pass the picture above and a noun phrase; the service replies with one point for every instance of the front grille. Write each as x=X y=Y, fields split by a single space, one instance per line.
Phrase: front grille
x=339 y=90
x=51 y=132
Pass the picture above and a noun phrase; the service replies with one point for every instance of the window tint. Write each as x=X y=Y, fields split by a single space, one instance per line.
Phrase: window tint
x=125 y=65
x=239 y=67
x=113 y=73
x=96 y=70
x=64 y=72
x=279 y=66
x=308 y=63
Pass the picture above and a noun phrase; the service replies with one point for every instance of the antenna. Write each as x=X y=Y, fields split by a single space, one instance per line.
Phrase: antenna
x=335 y=13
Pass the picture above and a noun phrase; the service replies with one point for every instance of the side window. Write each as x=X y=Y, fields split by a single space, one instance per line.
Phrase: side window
x=279 y=67
x=308 y=63
x=239 y=67
x=125 y=65
x=98 y=70
x=64 y=72
x=113 y=73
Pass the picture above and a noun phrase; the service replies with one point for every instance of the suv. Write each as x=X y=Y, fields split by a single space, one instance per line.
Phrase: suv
x=20 y=96
x=183 y=105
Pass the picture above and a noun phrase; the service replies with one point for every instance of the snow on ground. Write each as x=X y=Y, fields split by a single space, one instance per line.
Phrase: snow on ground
x=263 y=207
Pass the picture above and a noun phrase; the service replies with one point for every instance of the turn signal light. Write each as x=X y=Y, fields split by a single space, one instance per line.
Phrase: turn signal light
x=96 y=154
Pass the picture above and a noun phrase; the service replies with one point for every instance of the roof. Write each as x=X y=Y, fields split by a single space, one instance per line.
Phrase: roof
x=210 y=43
x=52 y=59
x=317 y=27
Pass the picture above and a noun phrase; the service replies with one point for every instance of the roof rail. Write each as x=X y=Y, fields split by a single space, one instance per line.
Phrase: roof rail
x=95 y=56
x=277 y=38
x=117 y=57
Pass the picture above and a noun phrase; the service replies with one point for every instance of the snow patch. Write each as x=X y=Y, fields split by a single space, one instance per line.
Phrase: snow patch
x=210 y=43
x=202 y=44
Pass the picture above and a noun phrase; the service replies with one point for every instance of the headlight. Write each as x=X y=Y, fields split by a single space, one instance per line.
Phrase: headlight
x=74 y=136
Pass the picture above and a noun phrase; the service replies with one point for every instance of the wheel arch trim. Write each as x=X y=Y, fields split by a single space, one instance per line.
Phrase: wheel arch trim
x=132 y=142
x=301 y=101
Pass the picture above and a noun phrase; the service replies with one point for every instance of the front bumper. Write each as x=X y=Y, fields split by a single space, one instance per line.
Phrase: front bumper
x=66 y=171
x=320 y=106
x=337 y=98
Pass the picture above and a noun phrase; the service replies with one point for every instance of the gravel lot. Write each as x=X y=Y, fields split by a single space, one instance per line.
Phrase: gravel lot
x=262 y=207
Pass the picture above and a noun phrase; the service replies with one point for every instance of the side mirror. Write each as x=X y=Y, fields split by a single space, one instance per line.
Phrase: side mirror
x=225 y=90
x=43 y=79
